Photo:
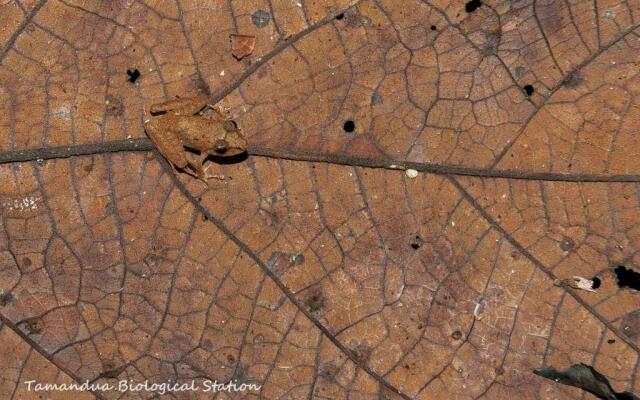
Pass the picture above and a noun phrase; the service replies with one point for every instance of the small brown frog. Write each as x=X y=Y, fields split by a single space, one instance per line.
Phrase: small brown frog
x=186 y=136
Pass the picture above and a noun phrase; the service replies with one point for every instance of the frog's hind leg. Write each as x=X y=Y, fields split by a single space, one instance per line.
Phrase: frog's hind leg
x=168 y=145
x=182 y=106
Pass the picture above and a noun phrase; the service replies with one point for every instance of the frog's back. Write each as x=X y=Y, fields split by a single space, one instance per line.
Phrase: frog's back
x=198 y=133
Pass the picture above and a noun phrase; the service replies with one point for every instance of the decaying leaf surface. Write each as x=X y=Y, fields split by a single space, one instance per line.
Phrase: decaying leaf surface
x=311 y=271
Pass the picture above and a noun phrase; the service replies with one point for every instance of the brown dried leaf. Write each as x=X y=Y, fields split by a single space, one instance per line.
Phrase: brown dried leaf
x=420 y=174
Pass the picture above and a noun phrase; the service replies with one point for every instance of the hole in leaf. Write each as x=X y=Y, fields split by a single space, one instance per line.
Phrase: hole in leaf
x=416 y=242
x=627 y=277
x=134 y=74
x=596 y=282
x=433 y=27
x=349 y=126
x=340 y=16
x=528 y=89
x=472 y=5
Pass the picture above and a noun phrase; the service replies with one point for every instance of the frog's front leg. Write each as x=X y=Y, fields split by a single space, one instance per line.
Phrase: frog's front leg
x=182 y=106
x=167 y=143
x=196 y=163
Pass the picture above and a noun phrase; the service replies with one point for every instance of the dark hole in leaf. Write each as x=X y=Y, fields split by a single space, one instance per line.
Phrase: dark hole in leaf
x=528 y=89
x=596 y=282
x=472 y=5
x=134 y=74
x=349 y=126
x=433 y=27
x=340 y=16
x=416 y=242
x=611 y=341
x=627 y=277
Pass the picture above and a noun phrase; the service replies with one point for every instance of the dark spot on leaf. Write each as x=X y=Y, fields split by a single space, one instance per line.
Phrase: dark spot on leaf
x=492 y=42
x=596 y=282
x=231 y=359
x=572 y=80
x=207 y=344
x=241 y=375
x=33 y=326
x=329 y=370
x=528 y=89
x=315 y=301
x=361 y=353
x=611 y=341
x=520 y=71
x=134 y=74
x=354 y=19
x=472 y=5
x=280 y=262
x=201 y=85
x=376 y=98
x=113 y=106
x=5 y=298
x=349 y=126
x=260 y=18
x=627 y=277
x=88 y=168
x=151 y=260
x=340 y=16
x=456 y=335
x=26 y=261
x=567 y=244
x=297 y=259
x=111 y=371
x=586 y=378
x=631 y=324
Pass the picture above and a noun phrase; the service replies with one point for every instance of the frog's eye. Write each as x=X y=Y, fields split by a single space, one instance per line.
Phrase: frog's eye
x=230 y=125
x=220 y=146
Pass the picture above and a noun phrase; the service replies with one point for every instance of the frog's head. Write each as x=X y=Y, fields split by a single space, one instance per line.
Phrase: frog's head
x=233 y=142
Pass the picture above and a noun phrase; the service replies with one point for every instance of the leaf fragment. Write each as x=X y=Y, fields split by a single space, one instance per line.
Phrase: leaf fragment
x=242 y=45
x=586 y=378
